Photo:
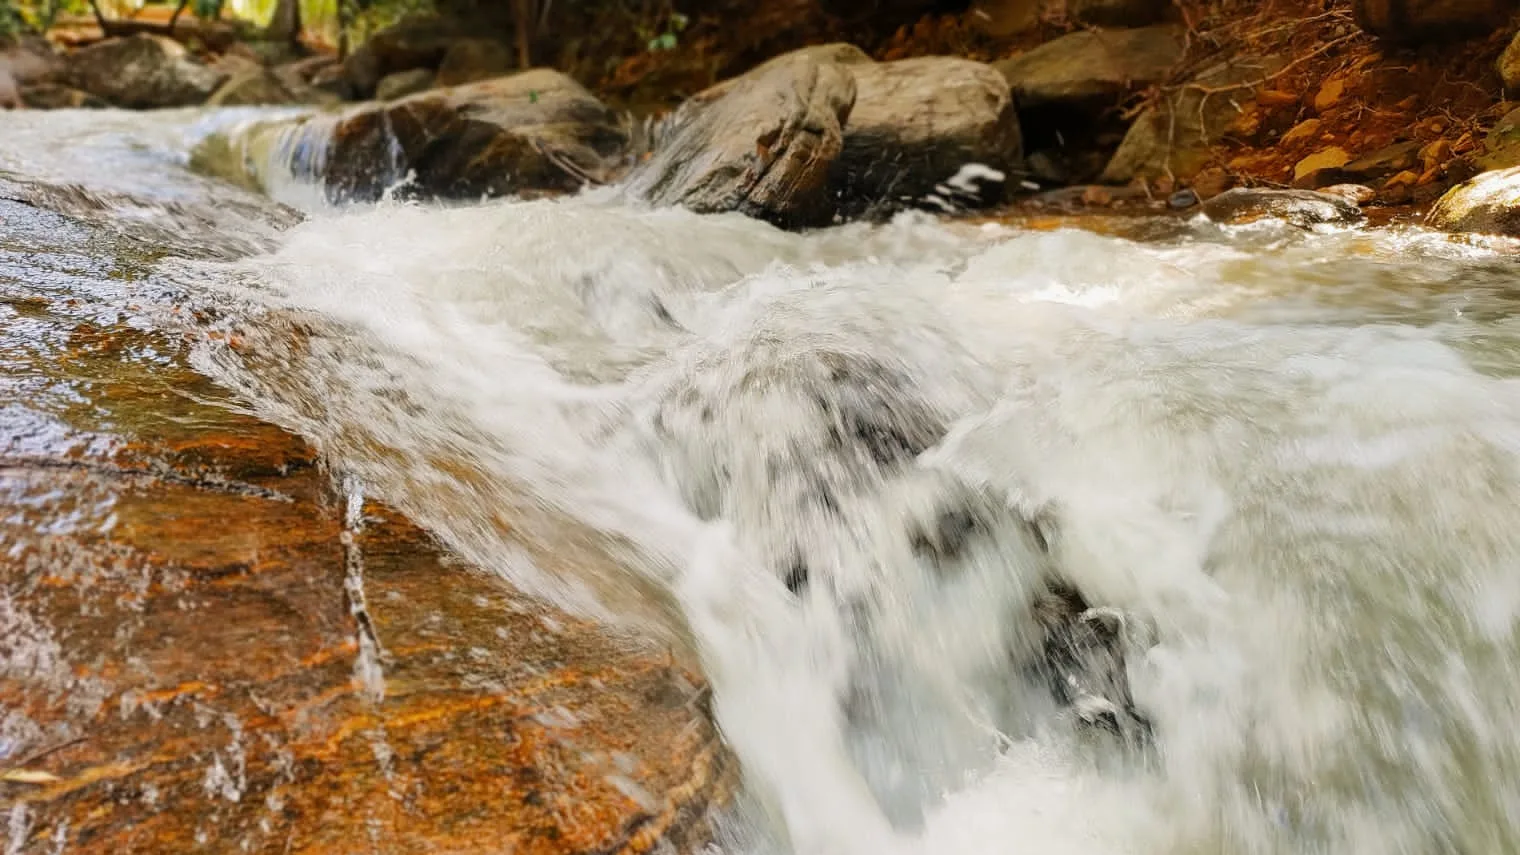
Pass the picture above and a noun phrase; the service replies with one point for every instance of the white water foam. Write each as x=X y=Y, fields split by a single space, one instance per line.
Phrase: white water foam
x=705 y=427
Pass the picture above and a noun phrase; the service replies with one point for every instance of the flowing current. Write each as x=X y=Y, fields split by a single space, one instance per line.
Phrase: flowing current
x=841 y=468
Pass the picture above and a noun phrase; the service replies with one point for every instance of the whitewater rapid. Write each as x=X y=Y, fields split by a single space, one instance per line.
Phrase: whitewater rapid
x=1291 y=454
x=1292 y=457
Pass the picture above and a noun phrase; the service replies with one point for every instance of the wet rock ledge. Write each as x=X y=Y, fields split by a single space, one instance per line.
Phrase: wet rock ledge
x=198 y=654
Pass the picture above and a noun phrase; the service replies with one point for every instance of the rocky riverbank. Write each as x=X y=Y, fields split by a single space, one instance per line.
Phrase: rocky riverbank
x=1130 y=101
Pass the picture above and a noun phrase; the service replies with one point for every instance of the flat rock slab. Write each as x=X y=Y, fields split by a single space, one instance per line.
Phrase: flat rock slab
x=203 y=650
x=1093 y=66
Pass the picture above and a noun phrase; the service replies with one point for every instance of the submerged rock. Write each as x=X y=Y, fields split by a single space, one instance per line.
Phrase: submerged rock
x=1300 y=207
x=762 y=146
x=538 y=132
x=1486 y=204
x=934 y=130
x=142 y=72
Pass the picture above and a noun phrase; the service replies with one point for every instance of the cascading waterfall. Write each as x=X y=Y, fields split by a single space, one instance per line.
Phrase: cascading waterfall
x=844 y=470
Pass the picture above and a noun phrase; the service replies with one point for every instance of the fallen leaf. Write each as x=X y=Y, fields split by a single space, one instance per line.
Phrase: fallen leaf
x=28 y=776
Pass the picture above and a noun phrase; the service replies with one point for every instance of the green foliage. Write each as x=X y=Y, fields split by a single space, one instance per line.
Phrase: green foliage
x=674 y=23
x=11 y=22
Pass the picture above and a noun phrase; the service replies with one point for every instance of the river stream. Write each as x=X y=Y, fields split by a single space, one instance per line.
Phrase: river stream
x=1290 y=458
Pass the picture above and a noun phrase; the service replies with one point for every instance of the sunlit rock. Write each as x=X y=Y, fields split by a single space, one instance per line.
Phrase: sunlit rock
x=1486 y=204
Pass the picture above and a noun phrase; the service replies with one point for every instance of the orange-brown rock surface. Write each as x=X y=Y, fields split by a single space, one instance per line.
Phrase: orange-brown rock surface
x=200 y=650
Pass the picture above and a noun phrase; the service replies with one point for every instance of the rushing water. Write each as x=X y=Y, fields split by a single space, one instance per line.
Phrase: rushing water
x=842 y=466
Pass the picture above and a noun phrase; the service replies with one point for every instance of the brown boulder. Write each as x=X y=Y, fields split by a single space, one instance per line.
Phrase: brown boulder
x=56 y=96
x=934 y=130
x=418 y=41
x=404 y=83
x=10 y=93
x=31 y=59
x=1415 y=21
x=1508 y=66
x=763 y=147
x=143 y=72
x=250 y=88
x=531 y=133
x=1486 y=204
x=469 y=60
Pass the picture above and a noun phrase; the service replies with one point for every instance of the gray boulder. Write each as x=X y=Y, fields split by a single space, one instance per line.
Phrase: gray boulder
x=762 y=145
x=143 y=72
x=936 y=131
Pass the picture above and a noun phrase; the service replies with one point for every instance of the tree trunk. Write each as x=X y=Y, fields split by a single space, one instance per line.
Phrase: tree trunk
x=178 y=10
x=345 y=23
x=522 y=21
x=285 y=25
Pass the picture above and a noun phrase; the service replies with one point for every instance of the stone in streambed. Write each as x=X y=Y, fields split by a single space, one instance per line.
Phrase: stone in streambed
x=534 y=133
x=1302 y=208
x=940 y=132
x=762 y=146
x=1486 y=204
